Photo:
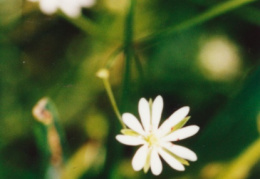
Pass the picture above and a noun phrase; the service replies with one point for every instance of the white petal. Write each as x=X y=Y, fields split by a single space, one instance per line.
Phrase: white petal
x=49 y=6
x=181 y=151
x=129 y=140
x=182 y=133
x=131 y=122
x=174 y=119
x=87 y=3
x=139 y=158
x=71 y=8
x=174 y=163
x=156 y=163
x=144 y=112
x=157 y=112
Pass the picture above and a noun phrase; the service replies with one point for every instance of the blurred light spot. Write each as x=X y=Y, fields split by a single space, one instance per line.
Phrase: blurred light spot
x=103 y=73
x=219 y=59
x=211 y=170
x=126 y=171
x=96 y=126
x=10 y=11
x=69 y=7
x=88 y=157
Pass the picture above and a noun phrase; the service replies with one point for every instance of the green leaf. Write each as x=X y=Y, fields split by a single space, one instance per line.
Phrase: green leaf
x=234 y=128
x=241 y=165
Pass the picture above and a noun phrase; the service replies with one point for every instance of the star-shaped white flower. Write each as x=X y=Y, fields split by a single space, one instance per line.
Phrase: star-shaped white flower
x=157 y=141
x=71 y=8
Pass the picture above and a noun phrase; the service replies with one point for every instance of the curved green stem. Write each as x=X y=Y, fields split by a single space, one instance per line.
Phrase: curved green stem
x=113 y=101
x=203 y=17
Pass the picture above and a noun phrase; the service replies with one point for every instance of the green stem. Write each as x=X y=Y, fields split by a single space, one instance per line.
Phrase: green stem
x=249 y=14
x=129 y=25
x=140 y=71
x=139 y=66
x=113 y=101
x=206 y=16
x=128 y=51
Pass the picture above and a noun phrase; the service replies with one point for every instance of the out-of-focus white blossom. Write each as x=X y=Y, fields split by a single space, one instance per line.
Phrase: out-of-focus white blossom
x=219 y=59
x=71 y=8
x=157 y=141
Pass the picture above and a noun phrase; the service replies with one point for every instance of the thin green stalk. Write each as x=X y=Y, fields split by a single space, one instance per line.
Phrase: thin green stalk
x=249 y=14
x=203 y=17
x=129 y=25
x=139 y=70
x=139 y=66
x=114 y=150
x=113 y=101
x=128 y=51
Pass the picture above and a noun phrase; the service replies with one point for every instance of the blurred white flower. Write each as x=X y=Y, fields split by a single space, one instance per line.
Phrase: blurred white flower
x=155 y=140
x=219 y=58
x=71 y=8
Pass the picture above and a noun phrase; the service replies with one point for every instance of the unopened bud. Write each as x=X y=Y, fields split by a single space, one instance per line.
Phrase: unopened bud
x=41 y=113
x=103 y=73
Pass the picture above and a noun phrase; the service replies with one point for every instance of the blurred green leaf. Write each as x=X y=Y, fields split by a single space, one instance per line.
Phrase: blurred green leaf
x=240 y=166
x=233 y=129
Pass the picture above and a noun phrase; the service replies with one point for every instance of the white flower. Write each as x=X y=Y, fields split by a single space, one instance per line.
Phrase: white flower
x=155 y=140
x=71 y=8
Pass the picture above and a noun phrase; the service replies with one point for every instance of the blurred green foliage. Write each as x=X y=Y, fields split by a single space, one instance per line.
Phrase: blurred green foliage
x=157 y=47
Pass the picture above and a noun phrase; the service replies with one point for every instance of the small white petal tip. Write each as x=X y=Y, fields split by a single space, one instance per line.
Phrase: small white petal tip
x=186 y=109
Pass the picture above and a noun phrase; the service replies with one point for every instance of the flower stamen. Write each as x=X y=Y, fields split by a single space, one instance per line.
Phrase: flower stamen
x=152 y=140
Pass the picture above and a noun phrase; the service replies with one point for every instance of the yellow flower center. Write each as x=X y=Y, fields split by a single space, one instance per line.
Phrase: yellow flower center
x=152 y=139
